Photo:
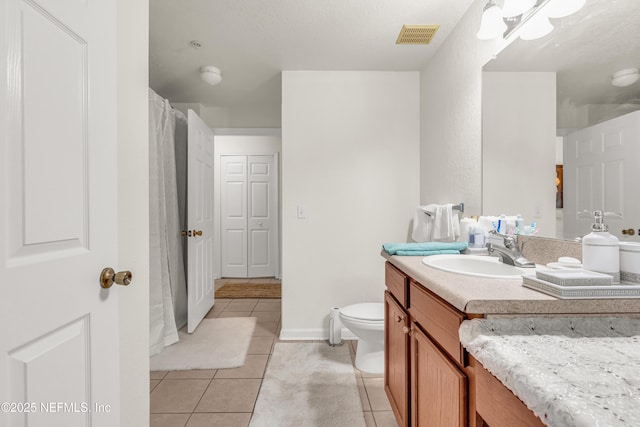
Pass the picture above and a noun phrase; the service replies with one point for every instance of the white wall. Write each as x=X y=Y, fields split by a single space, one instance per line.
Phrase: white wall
x=350 y=157
x=451 y=147
x=133 y=209
x=248 y=116
x=519 y=146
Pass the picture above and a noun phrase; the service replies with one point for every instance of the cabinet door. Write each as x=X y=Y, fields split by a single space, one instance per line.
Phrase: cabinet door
x=396 y=359
x=438 y=387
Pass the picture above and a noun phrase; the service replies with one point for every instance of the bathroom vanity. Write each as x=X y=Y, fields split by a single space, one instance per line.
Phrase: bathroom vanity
x=430 y=379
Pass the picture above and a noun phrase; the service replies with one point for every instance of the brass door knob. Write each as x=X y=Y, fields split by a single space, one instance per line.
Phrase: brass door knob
x=629 y=232
x=108 y=277
x=184 y=233
x=197 y=233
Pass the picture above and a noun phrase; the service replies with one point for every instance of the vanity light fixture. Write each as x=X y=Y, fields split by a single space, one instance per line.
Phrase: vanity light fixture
x=492 y=25
x=625 y=77
x=537 y=27
x=210 y=75
x=562 y=8
x=513 y=8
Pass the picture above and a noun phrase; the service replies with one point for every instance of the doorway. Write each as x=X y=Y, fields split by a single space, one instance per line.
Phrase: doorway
x=246 y=198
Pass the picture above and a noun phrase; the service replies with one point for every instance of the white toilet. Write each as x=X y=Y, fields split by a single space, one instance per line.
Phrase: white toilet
x=366 y=321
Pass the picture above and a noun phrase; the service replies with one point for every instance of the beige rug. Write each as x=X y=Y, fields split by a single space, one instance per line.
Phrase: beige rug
x=309 y=384
x=215 y=344
x=249 y=290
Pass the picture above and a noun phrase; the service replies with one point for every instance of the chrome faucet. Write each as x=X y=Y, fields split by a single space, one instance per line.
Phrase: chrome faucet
x=507 y=249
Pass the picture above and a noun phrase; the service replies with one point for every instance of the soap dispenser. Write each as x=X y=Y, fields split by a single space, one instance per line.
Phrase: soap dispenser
x=600 y=249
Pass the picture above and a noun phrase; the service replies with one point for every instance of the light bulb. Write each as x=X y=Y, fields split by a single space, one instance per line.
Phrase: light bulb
x=492 y=24
x=512 y=8
x=562 y=8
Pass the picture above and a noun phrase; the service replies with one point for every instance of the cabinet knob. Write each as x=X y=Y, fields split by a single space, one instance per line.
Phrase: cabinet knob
x=398 y=319
x=629 y=231
x=406 y=330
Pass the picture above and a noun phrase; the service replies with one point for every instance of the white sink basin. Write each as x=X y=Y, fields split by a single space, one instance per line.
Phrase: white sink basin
x=474 y=265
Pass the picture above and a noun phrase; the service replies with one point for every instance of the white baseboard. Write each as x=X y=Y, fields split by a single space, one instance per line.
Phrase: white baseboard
x=312 y=334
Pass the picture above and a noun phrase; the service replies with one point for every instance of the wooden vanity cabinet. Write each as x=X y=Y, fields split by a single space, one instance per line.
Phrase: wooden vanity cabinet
x=424 y=377
x=396 y=358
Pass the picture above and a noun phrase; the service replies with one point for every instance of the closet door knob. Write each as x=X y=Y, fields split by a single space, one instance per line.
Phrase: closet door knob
x=184 y=233
x=629 y=231
x=197 y=233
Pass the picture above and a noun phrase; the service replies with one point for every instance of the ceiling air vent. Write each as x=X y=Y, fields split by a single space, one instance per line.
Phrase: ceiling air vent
x=417 y=34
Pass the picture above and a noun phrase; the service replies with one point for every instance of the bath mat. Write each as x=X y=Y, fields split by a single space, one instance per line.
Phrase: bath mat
x=309 y=384
x=249 y=290
x=215 y=344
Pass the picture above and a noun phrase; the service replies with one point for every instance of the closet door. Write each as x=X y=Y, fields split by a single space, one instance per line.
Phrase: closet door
x=262 y=216
x=233 y=221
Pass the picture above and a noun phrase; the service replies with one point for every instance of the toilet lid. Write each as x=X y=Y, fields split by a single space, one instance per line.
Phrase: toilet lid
x=364 y=311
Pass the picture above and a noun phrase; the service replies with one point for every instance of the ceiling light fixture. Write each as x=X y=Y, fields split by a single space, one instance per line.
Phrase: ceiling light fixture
x=562 y=8
x=513 y=8
x=625 y=77
x=492 y=24
x=210 y=75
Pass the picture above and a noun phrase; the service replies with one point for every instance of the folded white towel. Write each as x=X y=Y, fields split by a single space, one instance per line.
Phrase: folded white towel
x=440 y=225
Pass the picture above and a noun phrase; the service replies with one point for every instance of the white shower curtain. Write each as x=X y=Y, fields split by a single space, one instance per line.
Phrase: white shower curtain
x=167 y=287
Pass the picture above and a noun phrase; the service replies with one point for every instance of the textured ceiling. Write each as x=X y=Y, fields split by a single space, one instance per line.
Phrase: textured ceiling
x=585 y=49
x=252 y=41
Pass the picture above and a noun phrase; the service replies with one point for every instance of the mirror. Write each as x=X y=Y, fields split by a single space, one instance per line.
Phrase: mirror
x=537 y=92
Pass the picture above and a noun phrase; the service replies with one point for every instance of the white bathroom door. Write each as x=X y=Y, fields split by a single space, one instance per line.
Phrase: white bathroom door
x=262 y=217
x=200 y=274
x=597 y=176
x=59 y=351
x=233 y=201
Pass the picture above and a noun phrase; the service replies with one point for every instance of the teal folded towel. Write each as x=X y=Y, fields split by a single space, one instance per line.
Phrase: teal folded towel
x=424 y=249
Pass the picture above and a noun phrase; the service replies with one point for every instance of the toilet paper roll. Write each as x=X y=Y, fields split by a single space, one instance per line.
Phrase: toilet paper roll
x=335 y=327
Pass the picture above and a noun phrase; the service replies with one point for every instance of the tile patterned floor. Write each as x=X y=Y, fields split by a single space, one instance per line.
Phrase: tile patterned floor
x=226 y=397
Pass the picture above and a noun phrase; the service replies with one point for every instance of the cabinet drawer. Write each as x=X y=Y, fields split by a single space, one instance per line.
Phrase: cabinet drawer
x=438 y=319
x=396 y=282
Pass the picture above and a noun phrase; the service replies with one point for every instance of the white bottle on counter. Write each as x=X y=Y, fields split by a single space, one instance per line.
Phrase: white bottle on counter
x=601 y=250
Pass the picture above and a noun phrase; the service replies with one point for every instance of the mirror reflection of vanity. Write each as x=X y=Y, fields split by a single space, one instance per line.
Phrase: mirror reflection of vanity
x=536 y=95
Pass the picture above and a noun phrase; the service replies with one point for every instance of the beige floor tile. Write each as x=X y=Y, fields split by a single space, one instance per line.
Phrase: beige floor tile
x=377 y=397
x=177 y=396
x=241 y=306
x=153 y=384
x=222 y=420
x=191 y=374
x=364 y=399
x=261 y=345
x=246 y=300
x=213 y=314
x=368 y=420
x=266 y=305
x=235 y=314
x=157 y=375
x=385 y=419
x=266 y=329
x=254 y=366
x=169 y=420
x=266 y=316
x=230 y=395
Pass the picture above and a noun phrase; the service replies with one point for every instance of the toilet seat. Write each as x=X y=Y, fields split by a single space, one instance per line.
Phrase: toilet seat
x=369 y=311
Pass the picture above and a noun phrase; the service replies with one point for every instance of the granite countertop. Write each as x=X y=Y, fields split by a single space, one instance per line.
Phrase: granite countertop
x=479 y=295
x=570 y=371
